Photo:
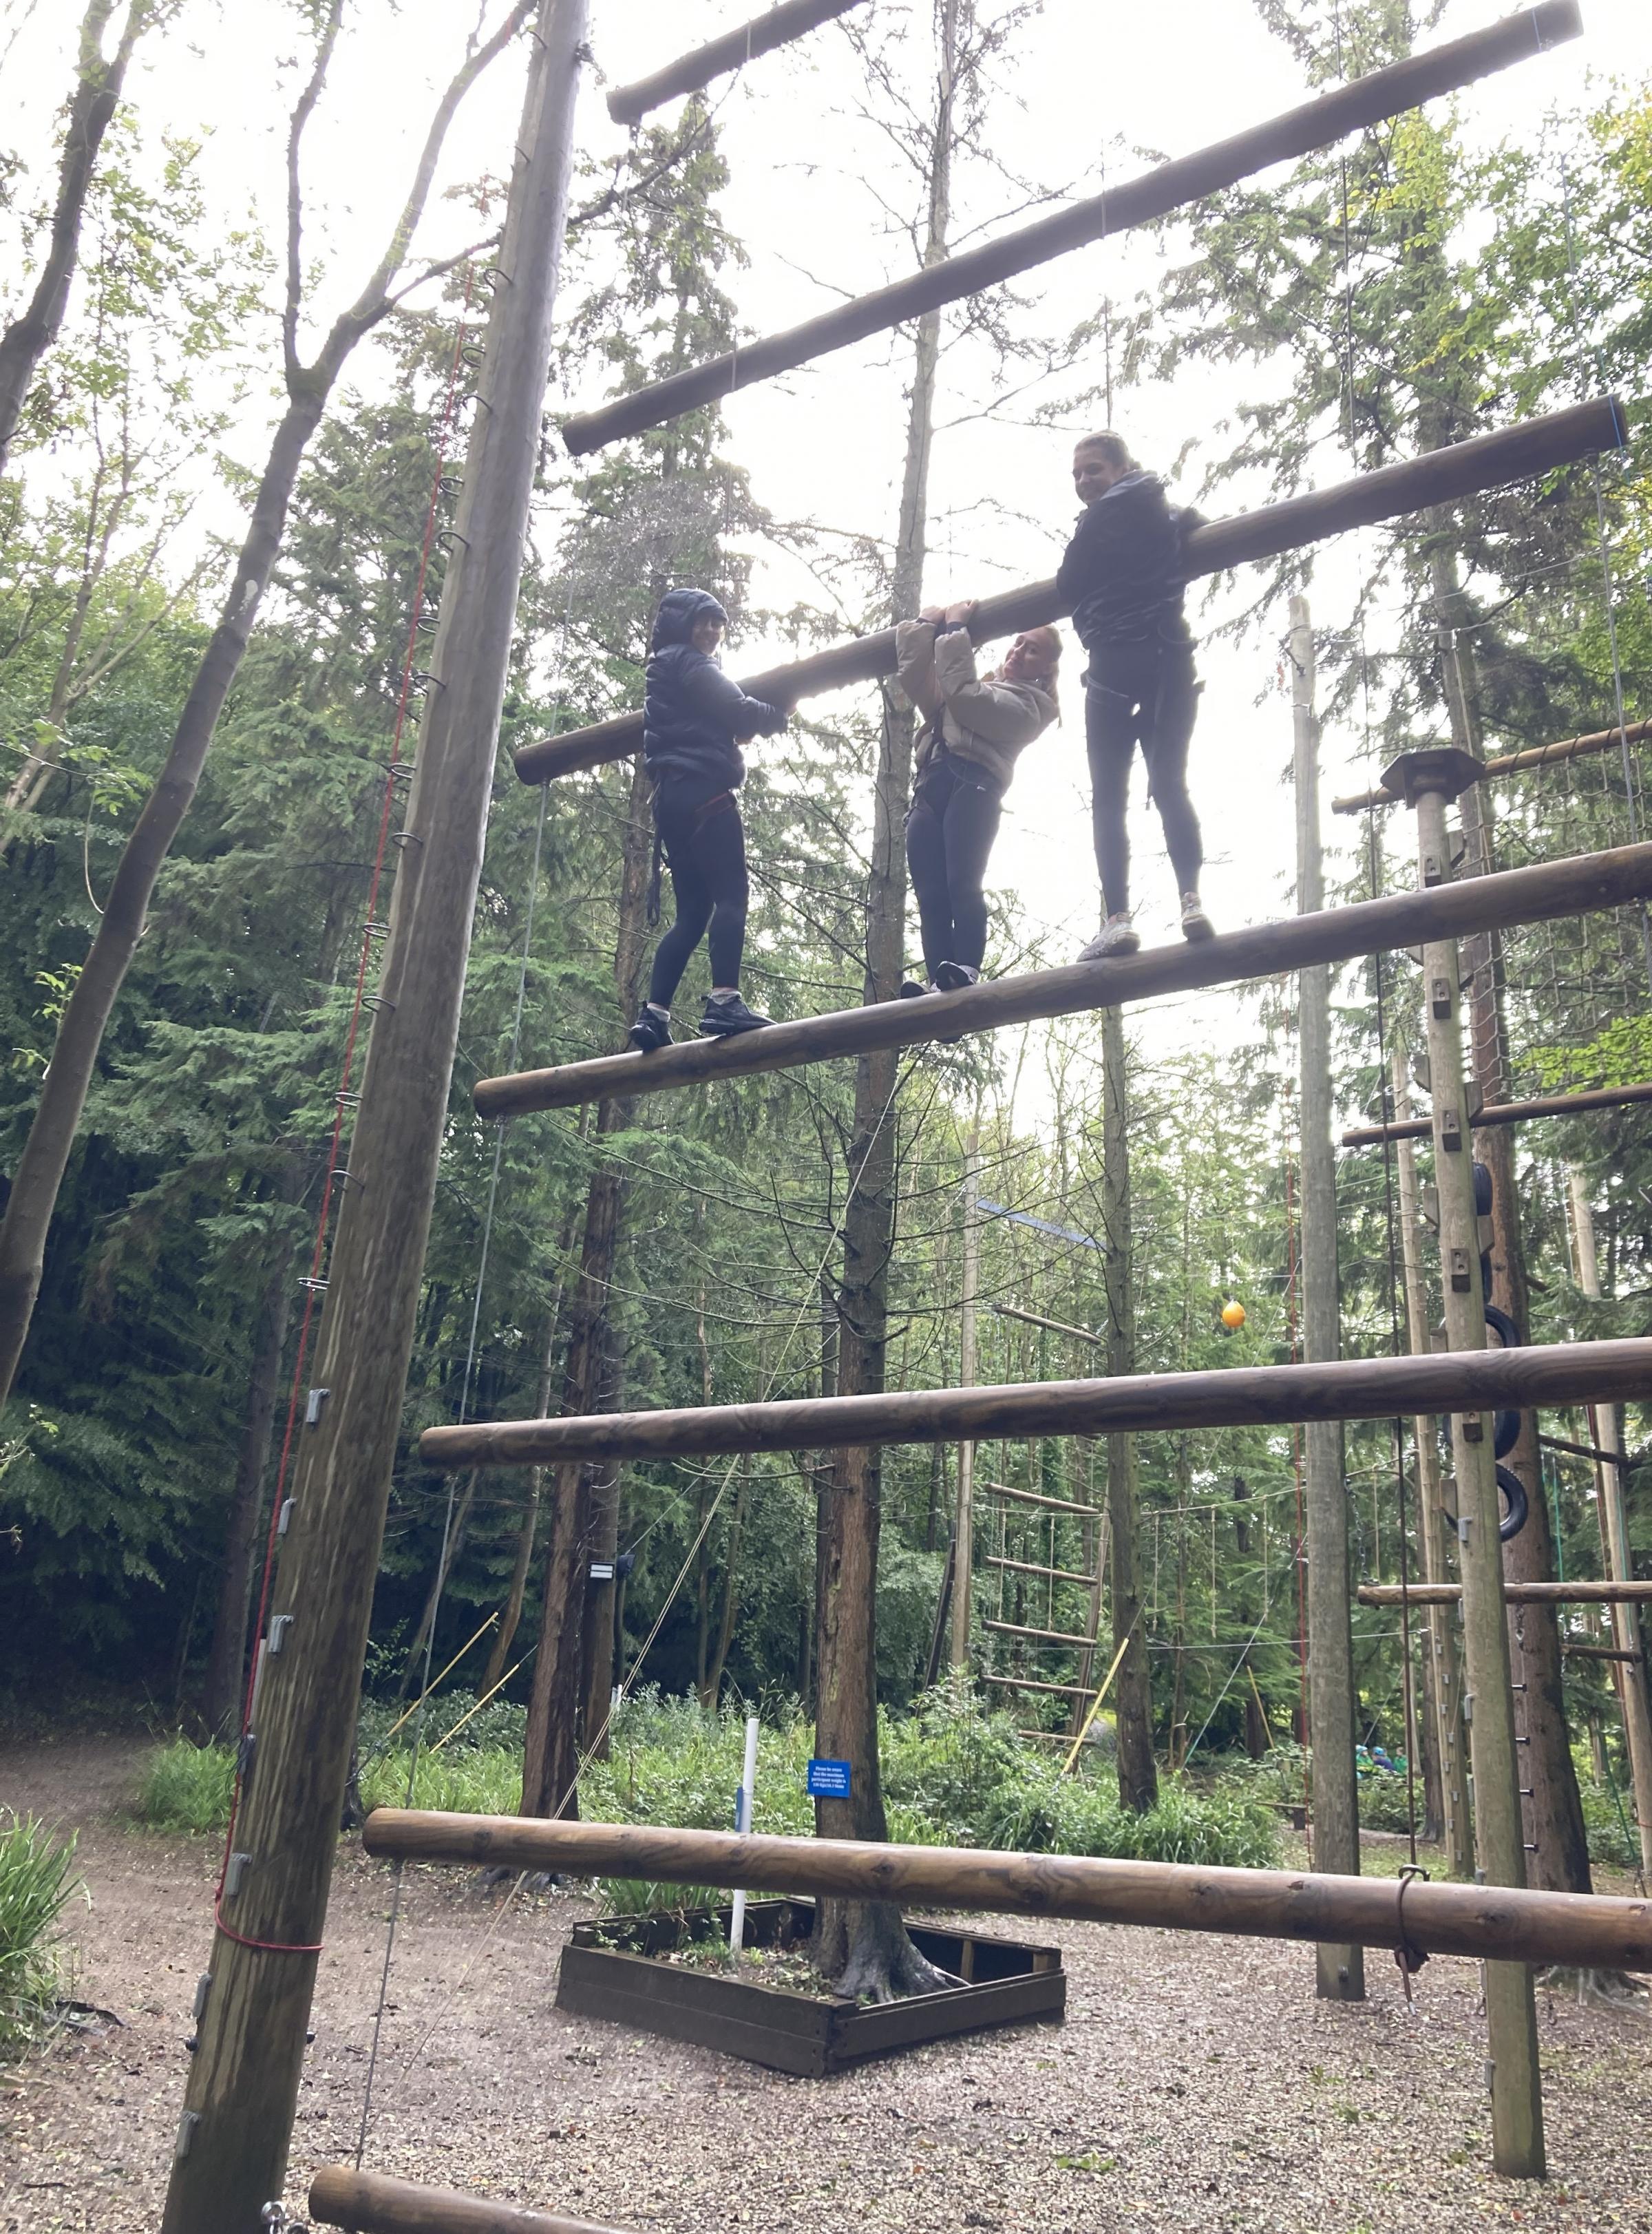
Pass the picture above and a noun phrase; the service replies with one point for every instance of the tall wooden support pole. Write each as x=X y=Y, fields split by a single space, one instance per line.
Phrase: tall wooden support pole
x=231 y=2152
x=963 y=1536
x=1445 y=1685
x=1607 y=1434
x=1133 y=1686
x=1556 y=1842
x=1340 y=1970
x=1428 y=780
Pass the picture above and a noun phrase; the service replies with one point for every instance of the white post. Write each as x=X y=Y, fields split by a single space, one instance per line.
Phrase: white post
x=743 y=1823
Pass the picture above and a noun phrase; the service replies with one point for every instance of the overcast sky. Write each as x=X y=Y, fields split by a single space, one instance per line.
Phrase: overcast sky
x=813 y=190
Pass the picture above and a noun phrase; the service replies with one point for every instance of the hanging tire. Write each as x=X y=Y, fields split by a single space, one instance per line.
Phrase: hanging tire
x=1503 y=1327
x=1513 y=1493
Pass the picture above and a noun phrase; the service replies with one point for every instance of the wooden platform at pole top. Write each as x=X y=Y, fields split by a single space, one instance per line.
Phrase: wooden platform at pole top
x=1141 y=1403
x=1314 y=124
x=1577 y=886
x=369 y=2203
x=1484 y=462
x=1489 y=1921
x=1520 y=763
x=1507 y=1113
x=1576 y=1593
x=630 y=104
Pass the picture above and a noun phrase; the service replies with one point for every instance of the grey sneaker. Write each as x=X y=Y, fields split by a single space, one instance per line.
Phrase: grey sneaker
x=1195 y=924
x=1119 y=936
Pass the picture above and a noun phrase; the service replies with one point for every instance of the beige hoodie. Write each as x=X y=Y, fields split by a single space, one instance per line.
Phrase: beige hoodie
x=989 y=723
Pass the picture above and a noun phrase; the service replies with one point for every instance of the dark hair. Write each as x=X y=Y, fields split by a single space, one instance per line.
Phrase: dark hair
x=1113 y=448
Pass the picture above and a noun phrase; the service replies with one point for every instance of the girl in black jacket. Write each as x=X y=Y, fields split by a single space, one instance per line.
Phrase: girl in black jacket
x=1122 y=576
x=694 y=722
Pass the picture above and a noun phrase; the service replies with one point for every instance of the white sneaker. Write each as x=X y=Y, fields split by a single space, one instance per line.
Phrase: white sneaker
x=1119 y=936
x=1195 y=924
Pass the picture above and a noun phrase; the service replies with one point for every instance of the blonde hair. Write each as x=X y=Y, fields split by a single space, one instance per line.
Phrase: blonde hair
x=1113 y=448
x=1049 y=640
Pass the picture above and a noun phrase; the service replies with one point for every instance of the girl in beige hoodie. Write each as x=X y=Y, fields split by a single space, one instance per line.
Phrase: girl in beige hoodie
x=974 y=728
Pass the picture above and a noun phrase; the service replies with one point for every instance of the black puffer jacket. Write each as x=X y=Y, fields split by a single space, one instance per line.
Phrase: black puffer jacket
x=693 y=717
x=1122 y=572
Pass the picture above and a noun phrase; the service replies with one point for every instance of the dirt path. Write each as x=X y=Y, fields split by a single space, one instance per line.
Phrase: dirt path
x=1196 y=2082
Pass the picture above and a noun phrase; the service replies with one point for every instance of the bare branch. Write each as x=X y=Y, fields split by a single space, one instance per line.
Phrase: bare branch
x=301 y=116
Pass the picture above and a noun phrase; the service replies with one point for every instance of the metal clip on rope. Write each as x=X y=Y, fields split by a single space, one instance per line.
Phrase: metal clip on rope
x=1408 y=1955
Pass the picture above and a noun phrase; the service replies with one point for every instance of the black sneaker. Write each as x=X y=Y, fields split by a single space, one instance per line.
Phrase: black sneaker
x=910 y=990
x=650 y=1030
x=723 y=1018
x=953 y=976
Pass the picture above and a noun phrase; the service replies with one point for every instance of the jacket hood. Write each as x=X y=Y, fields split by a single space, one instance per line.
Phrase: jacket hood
x=679 y=610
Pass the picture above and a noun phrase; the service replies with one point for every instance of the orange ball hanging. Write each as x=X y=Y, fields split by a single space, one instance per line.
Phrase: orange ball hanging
x=1233 y=1315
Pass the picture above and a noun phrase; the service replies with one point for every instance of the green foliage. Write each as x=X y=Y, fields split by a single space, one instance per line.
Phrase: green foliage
x=185 y=1787
x=36 y=1883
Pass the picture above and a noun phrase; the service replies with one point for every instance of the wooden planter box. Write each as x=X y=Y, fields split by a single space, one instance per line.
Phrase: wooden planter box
x=609 y=1969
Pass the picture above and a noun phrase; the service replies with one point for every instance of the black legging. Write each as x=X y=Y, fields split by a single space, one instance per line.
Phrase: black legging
x=705 y=849
x=949 y=830
x=1145 y=694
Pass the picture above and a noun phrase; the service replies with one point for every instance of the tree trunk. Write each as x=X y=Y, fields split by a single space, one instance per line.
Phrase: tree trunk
x=712 y=1686
x=1556 y=1842
x=447 y=1558
x=91 y=110
x=511 y=1612
x=46 y=1152
x=863 y=1945
x=1133 y=1686
x=572 y=1675
x=1635 y=1697
x=227 y=1660
x=242 y=2083
x=1447 y=1752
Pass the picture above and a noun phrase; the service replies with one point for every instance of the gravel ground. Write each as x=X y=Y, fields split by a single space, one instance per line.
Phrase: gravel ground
x=1195 y=2080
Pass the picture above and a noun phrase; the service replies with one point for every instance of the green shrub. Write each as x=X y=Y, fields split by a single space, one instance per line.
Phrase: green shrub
x=1611 y=1840
x=35 y=1886
x=461 y=1779
x=186 y=1786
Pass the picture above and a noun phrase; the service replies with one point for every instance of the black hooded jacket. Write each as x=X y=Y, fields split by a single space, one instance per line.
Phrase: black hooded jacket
x=1122 y=572
x=693 y=717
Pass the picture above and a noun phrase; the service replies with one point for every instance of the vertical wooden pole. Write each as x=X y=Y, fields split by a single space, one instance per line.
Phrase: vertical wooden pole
x=1608 y=1435
x=230 y=2154
x=964 y=1537
x=1427 y=779
x=1445 y=1674
x=1339 y=1971
x=1133 y=1686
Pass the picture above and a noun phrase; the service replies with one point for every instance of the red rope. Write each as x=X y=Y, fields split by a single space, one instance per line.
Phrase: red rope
x=324 y=1218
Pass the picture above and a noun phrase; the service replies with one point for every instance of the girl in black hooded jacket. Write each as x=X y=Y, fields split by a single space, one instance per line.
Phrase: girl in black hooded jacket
x=695 y=720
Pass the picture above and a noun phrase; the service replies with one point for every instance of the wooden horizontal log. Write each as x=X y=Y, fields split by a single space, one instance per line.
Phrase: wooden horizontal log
x=1487 y=1921
x=370 y=2203
x=1027 y=1683
x=1532 y=756
x=1574 y=1593
x=1050 y=1326
x=1042 y=1636
x=1049 y=1574
x=1320 y=123
x=1036 y=1497
x=1143 y=1403
x=1496 y=902
x=1598 y=1652
x=1485 y=461
x=1508 y=1113
x=1594 y=1450
x=630 y=104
